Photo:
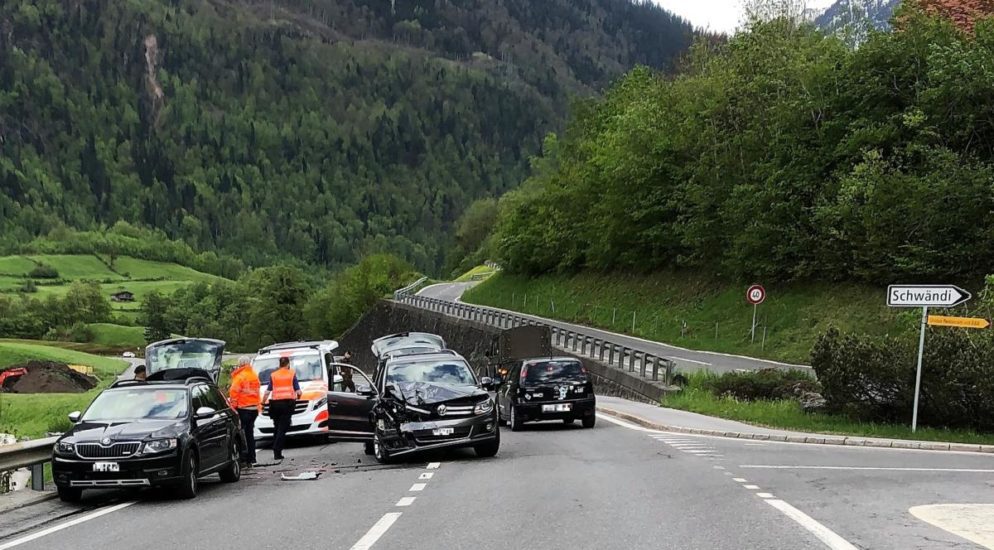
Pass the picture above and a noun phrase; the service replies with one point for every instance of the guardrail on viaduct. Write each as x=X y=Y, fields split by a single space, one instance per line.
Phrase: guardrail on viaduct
x=28 y=454
x=647 y=366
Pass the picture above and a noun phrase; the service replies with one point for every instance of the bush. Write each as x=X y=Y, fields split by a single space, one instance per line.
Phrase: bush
x=29 y=287
x=766 y=384
x=874 y=379
x=43 y=271
x=78 y=332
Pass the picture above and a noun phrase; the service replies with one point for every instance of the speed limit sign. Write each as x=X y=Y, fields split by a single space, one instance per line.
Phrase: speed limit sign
x=756 y=294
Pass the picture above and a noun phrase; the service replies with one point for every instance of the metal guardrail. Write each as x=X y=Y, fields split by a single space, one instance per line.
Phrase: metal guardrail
x=613 y=354
x=407 y=290
x=28 y=454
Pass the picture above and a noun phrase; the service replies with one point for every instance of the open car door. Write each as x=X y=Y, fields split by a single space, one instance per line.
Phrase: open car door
x=180 y=358
x=350 y=405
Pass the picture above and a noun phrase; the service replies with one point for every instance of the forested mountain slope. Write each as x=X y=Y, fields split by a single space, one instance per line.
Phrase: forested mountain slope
x=317 y=129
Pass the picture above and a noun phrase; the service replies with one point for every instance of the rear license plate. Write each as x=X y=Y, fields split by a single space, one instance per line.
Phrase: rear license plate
x=442 y=431
x=106 y=467
x=557 y=408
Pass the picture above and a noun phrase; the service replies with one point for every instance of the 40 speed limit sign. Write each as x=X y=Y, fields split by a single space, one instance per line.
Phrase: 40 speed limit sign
x=756 y=294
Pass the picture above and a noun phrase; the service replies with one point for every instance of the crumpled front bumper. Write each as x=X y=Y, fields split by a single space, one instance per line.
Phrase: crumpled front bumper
x=411 y=437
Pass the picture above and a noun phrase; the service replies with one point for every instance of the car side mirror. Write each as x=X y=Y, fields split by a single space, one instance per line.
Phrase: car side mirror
x=74 y=416
x=487 y=382
x=204 y=412
x=364 y=389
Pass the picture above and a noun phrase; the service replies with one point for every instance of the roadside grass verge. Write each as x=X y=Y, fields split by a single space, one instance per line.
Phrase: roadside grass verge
x=787 y=415
x=480 y=271
x=32 y=415
x=693 y=311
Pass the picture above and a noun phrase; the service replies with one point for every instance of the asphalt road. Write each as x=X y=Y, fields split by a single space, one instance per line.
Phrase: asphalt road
x=551 y=486
x=686 y=360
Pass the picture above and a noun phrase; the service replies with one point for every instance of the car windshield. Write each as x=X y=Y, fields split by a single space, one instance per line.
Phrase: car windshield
x=136 y=404
x=553 y=371
x=307 y=367
x=449 y=371
x=182 y=355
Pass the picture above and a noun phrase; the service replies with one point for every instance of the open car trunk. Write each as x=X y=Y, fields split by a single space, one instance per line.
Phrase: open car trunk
x=181 y=358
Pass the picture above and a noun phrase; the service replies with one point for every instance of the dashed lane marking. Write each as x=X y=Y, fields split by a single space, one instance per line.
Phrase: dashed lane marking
x=425 y=475
x=751 y=487
x=433 y=465
x=739 y=479
x=376 y=531
x=764 y=495
x=406 y=501
x=418 y=487
x=77 y=521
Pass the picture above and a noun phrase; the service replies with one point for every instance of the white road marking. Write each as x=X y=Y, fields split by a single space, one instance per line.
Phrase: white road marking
x=418 y=487
x=755 y=444
x=406 y=501
x=872 y=468
x=764 y=495
x=751 y=487
x=719 y=467
x=624 y=424
x=433 y=465
x=77 y=521
x=824 y=534
x=739 y=479
x=729 y=474
x=376 y=531
x=973 y=522
x=425 y=475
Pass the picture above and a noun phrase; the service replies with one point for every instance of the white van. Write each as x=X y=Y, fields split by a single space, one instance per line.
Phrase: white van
x=311 y=361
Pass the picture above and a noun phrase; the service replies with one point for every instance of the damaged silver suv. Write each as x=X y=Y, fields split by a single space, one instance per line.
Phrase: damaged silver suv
x=417 y=403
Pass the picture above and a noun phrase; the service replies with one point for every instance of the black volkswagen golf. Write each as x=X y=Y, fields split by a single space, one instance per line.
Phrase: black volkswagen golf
x=165 y=432
x=555 y=388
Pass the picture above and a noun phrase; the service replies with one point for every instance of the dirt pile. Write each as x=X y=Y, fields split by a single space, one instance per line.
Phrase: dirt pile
x=49 y=377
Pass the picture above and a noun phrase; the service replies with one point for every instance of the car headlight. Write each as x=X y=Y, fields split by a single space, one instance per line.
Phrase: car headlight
x=484 y=407
x=65 y=448
x=321 y=402
x=159 y=445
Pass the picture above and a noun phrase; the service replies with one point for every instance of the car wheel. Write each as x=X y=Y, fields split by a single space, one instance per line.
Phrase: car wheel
x=588 y=421
x=188 y=487
x=380 y=452
x=514 y=420
x=70 y=494
x=489 y=449
x=232 y=472
x=368 y=448
x=569 y=421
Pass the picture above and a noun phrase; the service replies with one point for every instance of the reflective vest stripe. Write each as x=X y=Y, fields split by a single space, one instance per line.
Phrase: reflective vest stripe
x=283 y=385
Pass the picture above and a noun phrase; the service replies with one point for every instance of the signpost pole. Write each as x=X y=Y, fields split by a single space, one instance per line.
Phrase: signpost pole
x=753 y=331
x=918 y=375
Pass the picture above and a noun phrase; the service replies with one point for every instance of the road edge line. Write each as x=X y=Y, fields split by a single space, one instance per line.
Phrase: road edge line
x=824 y=534
x=810 y=439
x=56 y=528
x=376 y=531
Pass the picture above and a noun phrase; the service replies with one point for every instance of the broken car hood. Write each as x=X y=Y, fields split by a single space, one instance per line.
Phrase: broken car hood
x=424 y=393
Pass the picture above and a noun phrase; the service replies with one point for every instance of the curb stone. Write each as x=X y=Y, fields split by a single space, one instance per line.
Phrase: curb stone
x=811 y=440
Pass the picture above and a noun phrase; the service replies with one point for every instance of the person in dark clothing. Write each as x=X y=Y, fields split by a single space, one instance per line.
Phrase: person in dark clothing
x=347 y=383
x=140 y=373
x=285 y=391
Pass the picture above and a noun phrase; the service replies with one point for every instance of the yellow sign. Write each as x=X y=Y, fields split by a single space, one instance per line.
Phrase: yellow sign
x=961 y=322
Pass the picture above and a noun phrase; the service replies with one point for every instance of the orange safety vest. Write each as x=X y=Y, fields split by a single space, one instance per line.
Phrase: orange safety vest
x=244 y=392
x=283 y=385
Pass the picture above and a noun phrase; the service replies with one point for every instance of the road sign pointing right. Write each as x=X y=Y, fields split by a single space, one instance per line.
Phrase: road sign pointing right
x=926 y=295
x=961 y=322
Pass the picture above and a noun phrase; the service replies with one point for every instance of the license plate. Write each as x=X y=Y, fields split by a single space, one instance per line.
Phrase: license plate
x=560 y=407
x=442 y=431
x=106 y=467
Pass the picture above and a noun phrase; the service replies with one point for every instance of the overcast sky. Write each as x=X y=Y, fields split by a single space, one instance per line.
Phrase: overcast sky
x=718 y=15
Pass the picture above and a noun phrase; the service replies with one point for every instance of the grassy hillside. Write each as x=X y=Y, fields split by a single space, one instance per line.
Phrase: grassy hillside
x=32 y=415
x=687 y=310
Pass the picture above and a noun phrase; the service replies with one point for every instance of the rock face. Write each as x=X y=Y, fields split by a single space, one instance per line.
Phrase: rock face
x=854 y=19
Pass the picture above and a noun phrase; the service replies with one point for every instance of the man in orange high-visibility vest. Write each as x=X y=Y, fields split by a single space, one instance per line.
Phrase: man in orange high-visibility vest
x=244 y=398
x=285 y=391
